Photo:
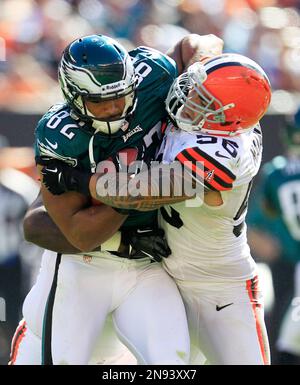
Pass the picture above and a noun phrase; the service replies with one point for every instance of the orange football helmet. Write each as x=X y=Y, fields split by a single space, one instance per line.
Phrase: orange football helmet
x=232 y=94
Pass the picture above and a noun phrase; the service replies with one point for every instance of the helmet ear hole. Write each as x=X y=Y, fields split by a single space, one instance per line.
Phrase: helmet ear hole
x=224 y=124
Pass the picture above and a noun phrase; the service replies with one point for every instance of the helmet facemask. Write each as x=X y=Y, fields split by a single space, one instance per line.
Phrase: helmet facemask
x=208 y=110
x=108 y=126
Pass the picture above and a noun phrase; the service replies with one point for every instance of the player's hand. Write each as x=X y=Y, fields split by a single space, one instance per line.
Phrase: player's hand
x=149 y=243
x=59 y=178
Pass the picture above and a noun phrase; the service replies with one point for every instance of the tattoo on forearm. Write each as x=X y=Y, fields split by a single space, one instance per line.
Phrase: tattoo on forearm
x=143 y=203
x=146 y=191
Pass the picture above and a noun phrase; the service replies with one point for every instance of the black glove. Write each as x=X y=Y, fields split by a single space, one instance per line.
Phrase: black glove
x=148 y=243
x=59 y=178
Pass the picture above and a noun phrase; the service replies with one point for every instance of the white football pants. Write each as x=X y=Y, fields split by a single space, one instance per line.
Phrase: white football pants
x=26 y=346
x=226 y=321
x=145 y=304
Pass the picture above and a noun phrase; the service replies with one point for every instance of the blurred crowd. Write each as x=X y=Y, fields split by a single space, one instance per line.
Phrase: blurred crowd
x=33 y=34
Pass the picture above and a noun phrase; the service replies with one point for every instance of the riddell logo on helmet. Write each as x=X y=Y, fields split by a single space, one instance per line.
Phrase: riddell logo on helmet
x=113 y=86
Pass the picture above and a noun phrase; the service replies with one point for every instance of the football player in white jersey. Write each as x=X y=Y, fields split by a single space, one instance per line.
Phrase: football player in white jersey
x=216 y=107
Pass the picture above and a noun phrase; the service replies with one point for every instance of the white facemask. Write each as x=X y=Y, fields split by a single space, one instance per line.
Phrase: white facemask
x=113 y=127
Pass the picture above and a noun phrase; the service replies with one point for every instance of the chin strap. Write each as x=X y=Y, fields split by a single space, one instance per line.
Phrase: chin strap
x=91 y=155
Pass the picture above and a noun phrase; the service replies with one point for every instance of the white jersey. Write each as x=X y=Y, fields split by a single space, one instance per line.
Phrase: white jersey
x=211 y=243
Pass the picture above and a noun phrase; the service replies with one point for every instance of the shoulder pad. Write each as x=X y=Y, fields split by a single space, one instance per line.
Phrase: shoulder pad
x=57 y=136
x=153 y=67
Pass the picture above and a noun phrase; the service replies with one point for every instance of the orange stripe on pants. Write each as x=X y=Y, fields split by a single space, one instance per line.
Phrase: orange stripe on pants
x=254 y=304
x=17 y=339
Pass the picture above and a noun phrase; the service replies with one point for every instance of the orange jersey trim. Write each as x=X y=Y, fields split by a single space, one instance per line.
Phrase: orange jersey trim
x=251 y=286
x=17 y=339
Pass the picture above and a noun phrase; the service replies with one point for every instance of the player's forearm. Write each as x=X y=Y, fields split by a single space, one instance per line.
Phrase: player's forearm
x=96 y=225
x=40 y=229
x=87 y=229
x=194 y=47
x=156 y=190
x=141 y=203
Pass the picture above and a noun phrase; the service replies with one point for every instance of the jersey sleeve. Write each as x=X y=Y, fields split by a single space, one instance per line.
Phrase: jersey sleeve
x=206 y=169
x=155 y=71
x=164 y=61
x=49 y=141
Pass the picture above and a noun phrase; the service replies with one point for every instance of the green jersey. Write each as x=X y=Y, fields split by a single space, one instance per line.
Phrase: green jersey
x=61 y=136
x=281 y=190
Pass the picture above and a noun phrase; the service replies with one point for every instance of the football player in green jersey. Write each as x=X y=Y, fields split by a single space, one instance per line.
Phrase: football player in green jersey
x=115 y=101
x=281 y=196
